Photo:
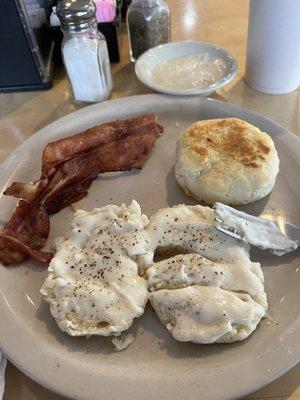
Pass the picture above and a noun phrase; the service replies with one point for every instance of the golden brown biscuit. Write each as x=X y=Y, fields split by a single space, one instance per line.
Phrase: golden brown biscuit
x=226 y=160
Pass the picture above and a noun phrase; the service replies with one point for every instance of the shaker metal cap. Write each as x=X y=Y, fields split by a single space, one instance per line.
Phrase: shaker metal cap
x=76 y=14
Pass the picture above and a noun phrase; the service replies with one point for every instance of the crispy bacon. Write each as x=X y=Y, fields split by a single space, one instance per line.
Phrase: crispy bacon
x=64 y=149
x=72 y=179
x=27 y=191
x=71 y=193
x=57 y=153
x=25 y=233
x=17 y=251
x=64 y=183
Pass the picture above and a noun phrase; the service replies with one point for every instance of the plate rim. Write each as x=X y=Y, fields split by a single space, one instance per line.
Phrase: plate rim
x=294 y=145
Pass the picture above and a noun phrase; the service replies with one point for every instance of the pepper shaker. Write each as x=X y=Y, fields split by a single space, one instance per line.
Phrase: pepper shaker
x=148 y=24
x=84 y=51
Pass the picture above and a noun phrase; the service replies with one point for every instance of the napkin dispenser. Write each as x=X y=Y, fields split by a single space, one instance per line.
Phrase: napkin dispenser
x=26 y=47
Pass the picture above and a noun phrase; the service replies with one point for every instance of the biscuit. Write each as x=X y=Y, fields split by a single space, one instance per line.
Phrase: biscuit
x=226 y=160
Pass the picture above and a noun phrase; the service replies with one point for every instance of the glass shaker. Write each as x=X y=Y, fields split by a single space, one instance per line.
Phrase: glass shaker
x=84 y=51
x=148 y=24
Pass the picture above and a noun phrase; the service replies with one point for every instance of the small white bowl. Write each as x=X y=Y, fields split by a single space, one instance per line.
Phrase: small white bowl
x=149 y=60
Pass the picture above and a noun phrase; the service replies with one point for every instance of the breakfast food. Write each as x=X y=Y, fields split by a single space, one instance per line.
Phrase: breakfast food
x=190 y=229
x=68 y=168
x=226 y=160
x=190 y=72
x=206 y=302
x=93 y=286
x=210 y=291
x=103 y=274
x=122 y=342
x=207 y=314
x=192 y=269
x=61 y=150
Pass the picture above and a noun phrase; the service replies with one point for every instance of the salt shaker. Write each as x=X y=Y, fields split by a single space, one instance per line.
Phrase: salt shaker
x=148 y=24
x=273 y=51
x=84 y=51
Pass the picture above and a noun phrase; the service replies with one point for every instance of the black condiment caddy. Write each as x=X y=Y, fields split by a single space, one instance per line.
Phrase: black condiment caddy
x=109 y=30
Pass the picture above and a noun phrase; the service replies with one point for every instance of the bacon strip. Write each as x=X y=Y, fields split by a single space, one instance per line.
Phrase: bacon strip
x=64 y=149
x=27 y=191
x=71 y=193
x=27 y=231
x=70 y=183
x=16 y=251
x=56 y=153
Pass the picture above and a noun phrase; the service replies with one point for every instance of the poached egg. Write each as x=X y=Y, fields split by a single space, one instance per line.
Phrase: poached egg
x=93 y=286
x=210 y=291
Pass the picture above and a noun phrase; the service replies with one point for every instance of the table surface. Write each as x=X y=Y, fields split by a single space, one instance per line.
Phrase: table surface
x=223 y=22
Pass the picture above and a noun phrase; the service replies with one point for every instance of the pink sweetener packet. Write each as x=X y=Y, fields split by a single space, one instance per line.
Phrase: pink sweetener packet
x=105 y=10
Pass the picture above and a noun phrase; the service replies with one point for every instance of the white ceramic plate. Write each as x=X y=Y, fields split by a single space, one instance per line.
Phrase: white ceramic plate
x=152 y=58
x=155 y=366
